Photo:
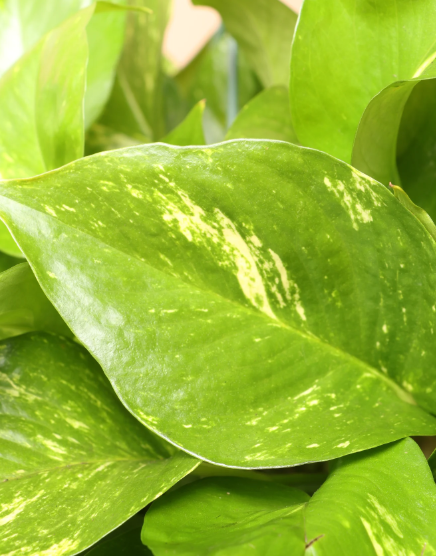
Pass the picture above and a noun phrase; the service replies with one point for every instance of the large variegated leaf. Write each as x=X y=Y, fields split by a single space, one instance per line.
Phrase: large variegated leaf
x=343 y=55
x=24 y=307
x=379 y=502
x=256 y=303
x=74 y=463
x=264 y=30
x=267 y=116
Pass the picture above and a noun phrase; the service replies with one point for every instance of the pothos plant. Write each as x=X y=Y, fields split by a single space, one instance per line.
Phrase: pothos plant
x=214 y=306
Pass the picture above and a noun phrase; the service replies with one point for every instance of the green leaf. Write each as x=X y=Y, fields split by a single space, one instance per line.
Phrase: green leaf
x=379 y=502
x=24 y=307
x=280 y=302
x=6 y=261
x=207 y=77
x=23 y=23
x=267 y=116
x=418 y=212
x=136 y=106
x=44 y=78
x=190 y=131
x=343 y=56
x=74 y=463
x=416 y=146
x=227 y=516
x=124 y=541
x=264 y=30
x=47 y=87
x=105 y=34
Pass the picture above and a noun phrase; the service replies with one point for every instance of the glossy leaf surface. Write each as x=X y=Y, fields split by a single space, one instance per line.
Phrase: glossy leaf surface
x=267 y=116
x=379 y=502
x=362 y=50
x=24 y=307
x=73 y=460
x=264 y=31
x=205 y=288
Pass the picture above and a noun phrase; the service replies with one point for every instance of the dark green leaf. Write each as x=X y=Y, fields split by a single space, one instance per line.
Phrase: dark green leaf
x=417 y=146
x=24 y=307
x=267 y=116
x=264 y=30
x=42 y=95
x=124 y=541
x=6 y=261
x=380 y=502
x=270 y=294
x=74 y=463
x=343 y=55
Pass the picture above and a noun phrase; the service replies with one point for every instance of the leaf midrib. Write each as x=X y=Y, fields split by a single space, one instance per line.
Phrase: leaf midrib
x=402 y=394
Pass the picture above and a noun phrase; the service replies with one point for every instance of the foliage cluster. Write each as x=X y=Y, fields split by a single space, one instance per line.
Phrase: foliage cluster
x=217 y=298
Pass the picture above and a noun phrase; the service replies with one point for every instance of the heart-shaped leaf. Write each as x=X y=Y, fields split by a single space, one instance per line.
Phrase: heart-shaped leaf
x=74 y=464
x=267 y=295
x=379 y=502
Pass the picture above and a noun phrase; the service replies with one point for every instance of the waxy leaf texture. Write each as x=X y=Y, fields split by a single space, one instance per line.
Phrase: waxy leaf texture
x=379 y=502
x=256 y=303
x=74 y=464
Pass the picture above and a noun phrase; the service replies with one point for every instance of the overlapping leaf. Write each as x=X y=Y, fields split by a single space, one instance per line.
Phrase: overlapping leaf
x=136 y=105
x=417 y=146
x=267 y=116
x=74 y=464
x=42 y=96
x=24 y=307
x=353 y=69
x=379 y=502
x=264 y=30
x=267 y=295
